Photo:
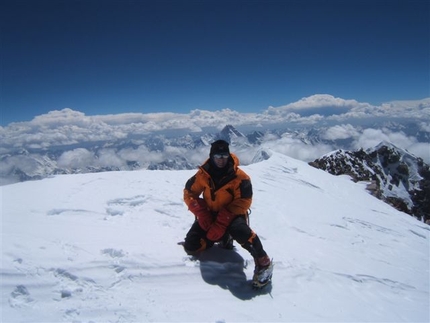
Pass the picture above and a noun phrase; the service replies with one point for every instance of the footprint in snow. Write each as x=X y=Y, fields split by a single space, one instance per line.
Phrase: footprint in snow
x=20 y=297
x=113 y=253
x=120 y=205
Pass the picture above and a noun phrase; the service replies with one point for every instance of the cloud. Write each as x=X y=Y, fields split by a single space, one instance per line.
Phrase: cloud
x=134 y=154
x=421 y=149
x=69 y=129
x=298 y=149
x=76 y=158
x=343 y=131
x=372 y=137
x=25 y=163
x=109 y=158
x=319 y=101
x=55 y=119
x=319 y=104
x=425 y=126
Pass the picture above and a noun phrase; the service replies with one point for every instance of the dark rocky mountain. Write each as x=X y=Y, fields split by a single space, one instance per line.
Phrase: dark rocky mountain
x=393 y=175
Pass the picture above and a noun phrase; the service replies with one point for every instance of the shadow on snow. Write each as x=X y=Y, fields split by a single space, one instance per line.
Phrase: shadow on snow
x=225 y=268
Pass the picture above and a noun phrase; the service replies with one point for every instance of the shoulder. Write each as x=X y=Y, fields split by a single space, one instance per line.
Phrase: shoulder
x=203 y=171
x=241 y=174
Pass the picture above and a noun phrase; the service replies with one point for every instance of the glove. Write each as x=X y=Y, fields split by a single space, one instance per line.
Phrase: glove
x=217 y=229
x=199 y=208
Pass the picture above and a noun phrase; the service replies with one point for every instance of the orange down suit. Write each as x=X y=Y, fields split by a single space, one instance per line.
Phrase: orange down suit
x=233 y=191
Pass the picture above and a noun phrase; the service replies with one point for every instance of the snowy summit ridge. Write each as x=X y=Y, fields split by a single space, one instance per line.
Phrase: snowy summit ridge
x=102 y=247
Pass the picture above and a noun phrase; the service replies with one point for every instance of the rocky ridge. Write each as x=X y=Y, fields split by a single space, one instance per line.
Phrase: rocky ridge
x=393 y=175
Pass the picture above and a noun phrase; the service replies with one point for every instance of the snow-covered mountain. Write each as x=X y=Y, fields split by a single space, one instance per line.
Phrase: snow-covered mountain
x=102 y=247
x=394 y=175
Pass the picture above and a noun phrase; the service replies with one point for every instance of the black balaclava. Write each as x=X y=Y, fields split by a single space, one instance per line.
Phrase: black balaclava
x=219 y=147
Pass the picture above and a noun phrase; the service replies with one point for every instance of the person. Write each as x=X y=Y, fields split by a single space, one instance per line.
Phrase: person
x=220 y=195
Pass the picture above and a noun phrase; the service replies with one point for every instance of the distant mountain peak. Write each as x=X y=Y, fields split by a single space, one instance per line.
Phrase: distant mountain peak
x=230 y=133
x=384 y=145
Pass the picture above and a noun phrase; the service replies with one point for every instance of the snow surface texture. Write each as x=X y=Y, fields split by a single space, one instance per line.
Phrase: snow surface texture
x=103 y=247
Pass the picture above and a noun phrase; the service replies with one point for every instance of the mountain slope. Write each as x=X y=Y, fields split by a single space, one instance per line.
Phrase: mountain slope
x=102 y=247
x=397 y=177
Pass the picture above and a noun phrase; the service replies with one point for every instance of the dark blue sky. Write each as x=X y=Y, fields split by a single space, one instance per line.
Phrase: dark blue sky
x=103 y=57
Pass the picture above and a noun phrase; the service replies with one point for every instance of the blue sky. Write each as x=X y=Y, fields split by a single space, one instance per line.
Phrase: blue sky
x=108 y=57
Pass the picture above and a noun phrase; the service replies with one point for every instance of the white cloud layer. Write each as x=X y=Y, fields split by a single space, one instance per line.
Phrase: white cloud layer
x=342 y=119
x=341 y=132
x=76 y=158
x=372 y=137
x=297 y=149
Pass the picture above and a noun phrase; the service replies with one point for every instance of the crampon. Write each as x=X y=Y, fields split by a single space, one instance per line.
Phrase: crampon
x=262 y=276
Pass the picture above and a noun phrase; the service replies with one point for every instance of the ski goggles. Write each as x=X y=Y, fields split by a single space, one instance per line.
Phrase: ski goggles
x=221 y=156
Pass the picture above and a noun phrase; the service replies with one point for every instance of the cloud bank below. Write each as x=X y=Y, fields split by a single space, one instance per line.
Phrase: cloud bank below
x=337 y=119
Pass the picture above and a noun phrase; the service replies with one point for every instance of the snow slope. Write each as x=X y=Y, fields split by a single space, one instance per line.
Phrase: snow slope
x=102 y=247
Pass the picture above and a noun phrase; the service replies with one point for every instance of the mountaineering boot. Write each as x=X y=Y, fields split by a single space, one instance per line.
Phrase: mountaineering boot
x=262 y=272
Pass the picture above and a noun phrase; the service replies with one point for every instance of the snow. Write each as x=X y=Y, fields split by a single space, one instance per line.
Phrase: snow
x=103 y=247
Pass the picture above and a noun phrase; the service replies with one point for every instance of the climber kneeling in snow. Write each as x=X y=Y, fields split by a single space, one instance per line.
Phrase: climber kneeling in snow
x=220 y=195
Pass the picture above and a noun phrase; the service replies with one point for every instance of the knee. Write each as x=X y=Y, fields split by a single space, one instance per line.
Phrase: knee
x=193 y=246
x=240 y=231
